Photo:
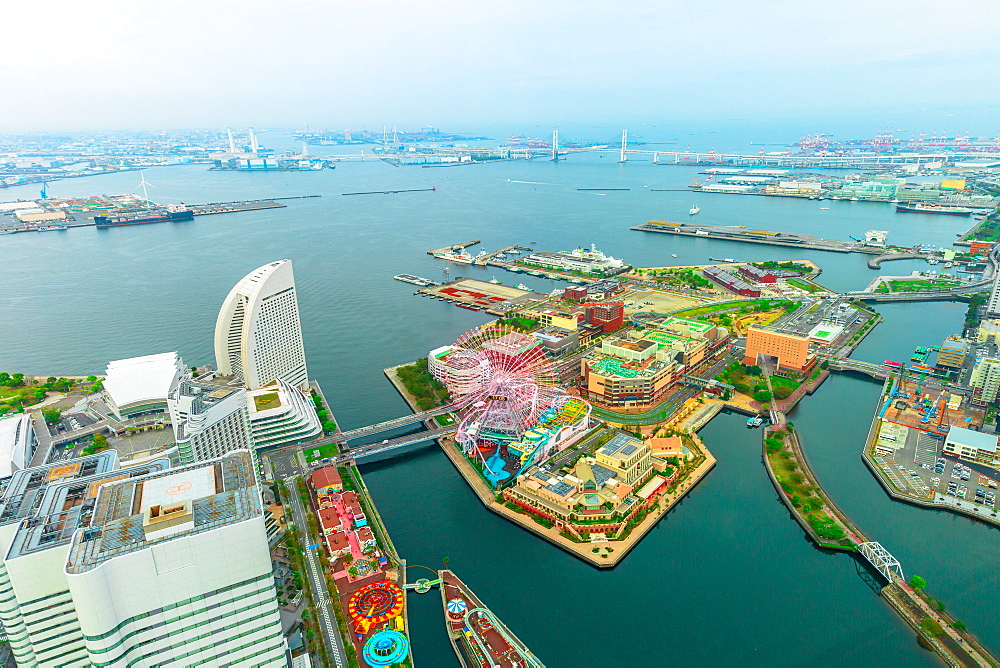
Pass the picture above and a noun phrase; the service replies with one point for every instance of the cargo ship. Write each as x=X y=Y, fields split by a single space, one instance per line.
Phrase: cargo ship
x=171 y=213
x=920 y=207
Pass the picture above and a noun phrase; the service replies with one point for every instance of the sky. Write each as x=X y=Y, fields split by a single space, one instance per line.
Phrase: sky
x=456 y=64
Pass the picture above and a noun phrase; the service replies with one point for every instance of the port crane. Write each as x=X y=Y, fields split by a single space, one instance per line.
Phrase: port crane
x=45 y=190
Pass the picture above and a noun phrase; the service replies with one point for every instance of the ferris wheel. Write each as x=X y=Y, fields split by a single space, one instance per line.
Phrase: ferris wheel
x=503 y=381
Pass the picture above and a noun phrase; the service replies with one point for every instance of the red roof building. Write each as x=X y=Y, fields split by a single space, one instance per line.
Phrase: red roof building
x=326 y=480
x=609 y=317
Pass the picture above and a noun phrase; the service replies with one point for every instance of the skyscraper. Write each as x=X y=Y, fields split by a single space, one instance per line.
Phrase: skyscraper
x=174 y=569
x=258 y=337
x=986 y=379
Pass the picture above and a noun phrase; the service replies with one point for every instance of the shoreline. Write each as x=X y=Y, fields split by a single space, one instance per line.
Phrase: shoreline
x=623 y=547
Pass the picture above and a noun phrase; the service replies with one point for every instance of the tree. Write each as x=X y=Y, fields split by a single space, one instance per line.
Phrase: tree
x=100 y=441
x=446 y=560
x=329 y=426
x=960 y=625
x=52 y=416
x=761 y=395
x=91 y=379
x=931 y=627
x=918 y=582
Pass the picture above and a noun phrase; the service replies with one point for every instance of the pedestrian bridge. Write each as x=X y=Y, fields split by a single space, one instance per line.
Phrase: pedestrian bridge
x=885 y=563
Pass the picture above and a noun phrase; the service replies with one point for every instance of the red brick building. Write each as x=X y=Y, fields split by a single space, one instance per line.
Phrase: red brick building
x=608 y=316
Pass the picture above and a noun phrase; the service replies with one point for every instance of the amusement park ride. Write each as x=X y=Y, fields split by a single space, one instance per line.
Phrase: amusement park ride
x=513 y=412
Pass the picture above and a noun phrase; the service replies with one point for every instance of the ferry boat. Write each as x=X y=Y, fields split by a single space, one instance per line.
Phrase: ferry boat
x=51 y=228
x=171 y=213
x=922 y=207
x=755 y=422
x=693 y=210
x=459 y=256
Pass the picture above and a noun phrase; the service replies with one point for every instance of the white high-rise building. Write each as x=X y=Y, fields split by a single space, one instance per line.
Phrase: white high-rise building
x=17 y=443
x=280 y=414
x=208 y=420
x=40 y=510
x=258 y=336
x=986 y=378
x=174 y=569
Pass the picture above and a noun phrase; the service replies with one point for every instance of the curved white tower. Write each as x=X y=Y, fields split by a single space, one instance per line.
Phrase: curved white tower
x=258 y=337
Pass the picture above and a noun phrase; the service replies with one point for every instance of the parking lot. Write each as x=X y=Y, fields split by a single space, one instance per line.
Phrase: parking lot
x=915 y=465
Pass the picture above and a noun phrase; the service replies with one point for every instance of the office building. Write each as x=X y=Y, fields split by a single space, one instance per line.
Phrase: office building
x=952 y=353
x=40 y=511
x=209 y=420
x=609 y=316
x=258 y=337
x=139 y=385
x=791 y=351
x=17 y=443
x=985 y=380
x=174 y=570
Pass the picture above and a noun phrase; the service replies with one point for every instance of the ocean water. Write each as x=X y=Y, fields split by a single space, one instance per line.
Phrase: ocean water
x=726 y=578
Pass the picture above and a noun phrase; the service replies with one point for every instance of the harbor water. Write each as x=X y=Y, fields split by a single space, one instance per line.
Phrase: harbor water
x=726 y=578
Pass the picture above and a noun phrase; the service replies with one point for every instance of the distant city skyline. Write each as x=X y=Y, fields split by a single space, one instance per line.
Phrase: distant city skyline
x=459 y=65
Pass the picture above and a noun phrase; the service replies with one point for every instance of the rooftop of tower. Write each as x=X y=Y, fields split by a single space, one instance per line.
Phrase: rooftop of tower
x=133 y=514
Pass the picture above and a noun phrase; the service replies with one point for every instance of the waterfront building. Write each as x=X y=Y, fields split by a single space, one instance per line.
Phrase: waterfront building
x=258 y=336
x=208 y=420
x=985 y=380
x=730 y=282
x=590 y=261
x=792 y=351
x=175 y=568
x=139 y=385
x=953 y=352
x=689 y=351
x=281 y=413
x=609 y=316
x=462 y=374
x=757 y=274
x=980 y=248
x=973 y=446
x=596 y=494
x=17 y=443
x=40 y=511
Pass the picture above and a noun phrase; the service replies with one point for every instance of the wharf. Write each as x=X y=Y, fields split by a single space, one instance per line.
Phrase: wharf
x=234 y=207
x=453 y=247
x=792 y=239
x=477 y=635
x=486 y=259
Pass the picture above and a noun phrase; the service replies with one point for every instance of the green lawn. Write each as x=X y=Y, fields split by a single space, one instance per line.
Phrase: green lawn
x=321 y=452
x=263 y=402
x=802 y=285
x=917 y=286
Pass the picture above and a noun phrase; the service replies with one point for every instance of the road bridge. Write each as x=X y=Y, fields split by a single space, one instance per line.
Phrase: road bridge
x=372 y=450
x=373 y=429
x=885 y=563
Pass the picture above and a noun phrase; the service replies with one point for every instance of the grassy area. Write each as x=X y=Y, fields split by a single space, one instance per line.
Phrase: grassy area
x=446 y=419
x=805 y=496
x=522 y=324
x=263 y=402
x=989 y=229
x=803 y=285
x=746 y=379
x=428 y=391
x=16 y=393
x=321 y=452
x=788 y=266
x=783 y=387
x=680 y=277
x=918 y=286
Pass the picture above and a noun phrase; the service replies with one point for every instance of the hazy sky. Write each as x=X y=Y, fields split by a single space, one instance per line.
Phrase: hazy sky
x=208 y=63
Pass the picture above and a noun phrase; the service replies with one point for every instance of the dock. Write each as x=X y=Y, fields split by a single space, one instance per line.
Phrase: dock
x=767 y=237
x=514 y=248
x=477 y=635
x=453 y=247
x=234 y=207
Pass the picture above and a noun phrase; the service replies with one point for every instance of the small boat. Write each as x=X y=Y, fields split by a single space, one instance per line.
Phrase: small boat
x=824 y=208
x=494 y=281
x=693 y=210
x=755 y=422
x=522 y=286
x=673 y=255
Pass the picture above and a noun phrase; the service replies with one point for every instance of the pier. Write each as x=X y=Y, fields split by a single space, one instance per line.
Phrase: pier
x=792 y=239
x=234 y=207
x=486 y=259
x=453 y=247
